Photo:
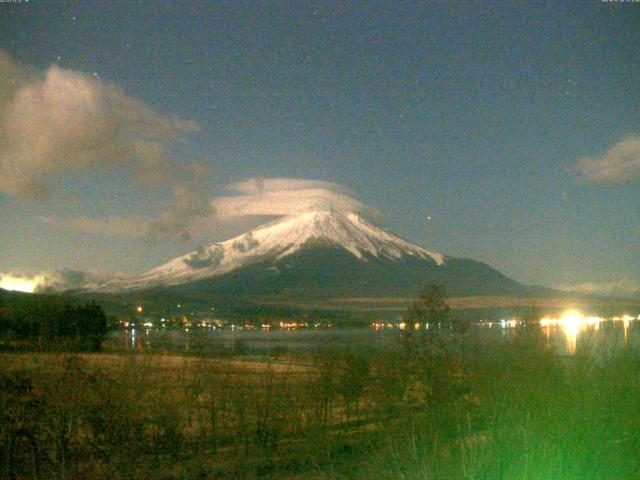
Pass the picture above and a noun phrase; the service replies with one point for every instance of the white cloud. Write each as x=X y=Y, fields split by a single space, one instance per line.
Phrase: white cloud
x=62 y=120
x=57 y=280
x=285 y=196
x=621 y=163
x=623 y=287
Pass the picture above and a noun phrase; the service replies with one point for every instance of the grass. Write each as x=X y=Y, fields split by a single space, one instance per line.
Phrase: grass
x=426 y=409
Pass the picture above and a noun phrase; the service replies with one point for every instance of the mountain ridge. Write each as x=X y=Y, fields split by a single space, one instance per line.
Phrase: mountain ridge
x=277 y=240
x=313 y=258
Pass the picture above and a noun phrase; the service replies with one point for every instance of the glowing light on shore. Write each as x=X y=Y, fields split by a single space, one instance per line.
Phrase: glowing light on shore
x=18 y=284
x=510 y=323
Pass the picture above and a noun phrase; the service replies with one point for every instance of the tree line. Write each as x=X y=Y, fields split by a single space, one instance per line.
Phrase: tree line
x=49 y=322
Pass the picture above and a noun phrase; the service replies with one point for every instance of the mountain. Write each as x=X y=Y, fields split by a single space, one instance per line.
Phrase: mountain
x=319 y=254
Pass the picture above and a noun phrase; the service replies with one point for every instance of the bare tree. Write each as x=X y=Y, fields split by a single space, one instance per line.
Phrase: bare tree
x=429 y=308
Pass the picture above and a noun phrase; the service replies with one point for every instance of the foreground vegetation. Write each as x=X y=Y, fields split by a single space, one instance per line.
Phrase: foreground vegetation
x=431 y=408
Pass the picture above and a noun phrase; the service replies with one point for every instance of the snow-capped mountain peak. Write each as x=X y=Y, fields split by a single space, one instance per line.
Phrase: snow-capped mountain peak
x=276 y=240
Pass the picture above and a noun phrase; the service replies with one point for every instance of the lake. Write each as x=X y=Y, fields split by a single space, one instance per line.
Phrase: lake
x=566 y=334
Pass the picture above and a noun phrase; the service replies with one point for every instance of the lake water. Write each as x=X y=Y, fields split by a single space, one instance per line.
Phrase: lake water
x=565 y=335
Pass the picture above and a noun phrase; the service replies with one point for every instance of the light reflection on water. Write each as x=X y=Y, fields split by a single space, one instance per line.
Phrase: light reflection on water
x=565 y=335
x=600 y=337
x=573 y=324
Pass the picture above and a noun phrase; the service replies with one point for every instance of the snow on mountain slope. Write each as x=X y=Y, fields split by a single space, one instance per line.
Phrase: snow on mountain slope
x=277 y=240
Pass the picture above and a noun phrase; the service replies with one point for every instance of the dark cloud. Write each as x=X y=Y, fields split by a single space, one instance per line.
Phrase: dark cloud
x=180 y=216
x=180 y=219
x=246 y=243
x=204 y=257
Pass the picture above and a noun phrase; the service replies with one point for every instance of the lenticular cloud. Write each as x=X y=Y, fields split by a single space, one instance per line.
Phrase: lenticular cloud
x=285 y=196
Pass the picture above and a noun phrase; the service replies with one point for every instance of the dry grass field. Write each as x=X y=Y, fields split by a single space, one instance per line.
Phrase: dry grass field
x=425 y=409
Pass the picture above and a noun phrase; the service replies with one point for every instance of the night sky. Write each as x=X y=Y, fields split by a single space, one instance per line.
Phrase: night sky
x=504 y=132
